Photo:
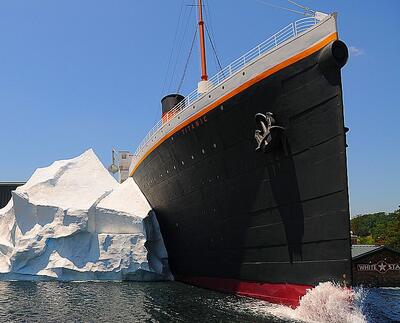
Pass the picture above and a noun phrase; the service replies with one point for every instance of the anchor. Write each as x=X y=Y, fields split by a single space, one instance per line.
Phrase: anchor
x=267 y=133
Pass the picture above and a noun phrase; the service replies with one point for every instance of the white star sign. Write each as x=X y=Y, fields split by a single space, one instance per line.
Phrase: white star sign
x=382 y=267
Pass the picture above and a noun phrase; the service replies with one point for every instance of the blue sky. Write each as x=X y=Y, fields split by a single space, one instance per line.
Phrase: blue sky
x=90 y=73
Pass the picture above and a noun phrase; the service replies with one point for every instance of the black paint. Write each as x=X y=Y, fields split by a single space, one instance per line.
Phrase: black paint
x=228 y=211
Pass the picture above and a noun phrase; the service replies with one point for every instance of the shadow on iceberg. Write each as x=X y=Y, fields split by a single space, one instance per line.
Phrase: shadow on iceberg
x=73 y=221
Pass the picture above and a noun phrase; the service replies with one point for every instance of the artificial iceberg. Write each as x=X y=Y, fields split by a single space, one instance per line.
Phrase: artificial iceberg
x=74 y=221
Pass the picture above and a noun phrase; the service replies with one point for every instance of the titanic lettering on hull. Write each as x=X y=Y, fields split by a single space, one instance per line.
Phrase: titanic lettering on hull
x=195 y=124
x=381 y=267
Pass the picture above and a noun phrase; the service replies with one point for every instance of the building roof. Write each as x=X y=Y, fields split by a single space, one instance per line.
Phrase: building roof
x=359 y=250
x=11 y=183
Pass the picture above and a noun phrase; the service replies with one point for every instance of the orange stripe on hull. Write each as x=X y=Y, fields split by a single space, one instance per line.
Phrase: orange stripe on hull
x=244 y=86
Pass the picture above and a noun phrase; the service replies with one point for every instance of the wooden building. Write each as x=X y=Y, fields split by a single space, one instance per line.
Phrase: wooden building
x=375 y=266
x=5 y=191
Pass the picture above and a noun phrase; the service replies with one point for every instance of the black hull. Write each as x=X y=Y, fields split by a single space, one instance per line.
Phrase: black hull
x=280 y=216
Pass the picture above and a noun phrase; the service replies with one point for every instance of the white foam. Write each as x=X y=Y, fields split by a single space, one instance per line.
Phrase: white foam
x=73 y=221
x=327 y=302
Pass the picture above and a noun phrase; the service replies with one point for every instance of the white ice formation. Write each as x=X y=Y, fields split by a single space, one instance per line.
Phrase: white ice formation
x=74 y=221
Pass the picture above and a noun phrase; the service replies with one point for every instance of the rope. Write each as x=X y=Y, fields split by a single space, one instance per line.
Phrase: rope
x=187 y=61
x=307 y=9
x=180 y=47
x=172 y=49
x=210 y=20
x=211 y=35
x=307 y=12
x=213 y=48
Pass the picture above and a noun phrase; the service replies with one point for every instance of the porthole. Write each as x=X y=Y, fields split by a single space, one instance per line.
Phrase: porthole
x=215 y=145
x=244 y=73
x=203 y=151
x=223 y=87
x=209 y=96
x=192 y=157
x=222 y=107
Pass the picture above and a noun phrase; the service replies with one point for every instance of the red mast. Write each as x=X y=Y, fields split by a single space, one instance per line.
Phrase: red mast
x=204 y=76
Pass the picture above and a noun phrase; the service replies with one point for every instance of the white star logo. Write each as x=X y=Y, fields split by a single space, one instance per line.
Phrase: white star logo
x=382 y=267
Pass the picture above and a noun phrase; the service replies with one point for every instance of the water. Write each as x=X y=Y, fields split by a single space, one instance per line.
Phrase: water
x=176 y=302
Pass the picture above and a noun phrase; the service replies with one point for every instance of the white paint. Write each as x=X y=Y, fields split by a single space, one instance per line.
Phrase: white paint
x=204 y=86
x=326 y=302
x=73 y=221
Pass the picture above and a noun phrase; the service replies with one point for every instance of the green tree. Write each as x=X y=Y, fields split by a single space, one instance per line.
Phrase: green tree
x=378 y=228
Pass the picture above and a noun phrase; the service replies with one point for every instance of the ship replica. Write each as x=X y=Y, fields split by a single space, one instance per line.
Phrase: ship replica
x=247 y=174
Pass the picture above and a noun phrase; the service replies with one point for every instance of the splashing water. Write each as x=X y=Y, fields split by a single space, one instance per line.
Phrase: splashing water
x=327 y=302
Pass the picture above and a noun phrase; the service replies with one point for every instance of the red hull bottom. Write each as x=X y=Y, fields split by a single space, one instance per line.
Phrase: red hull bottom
x=286 y=294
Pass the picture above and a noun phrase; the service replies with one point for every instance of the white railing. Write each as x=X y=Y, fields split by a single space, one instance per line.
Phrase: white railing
x=272 y=42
